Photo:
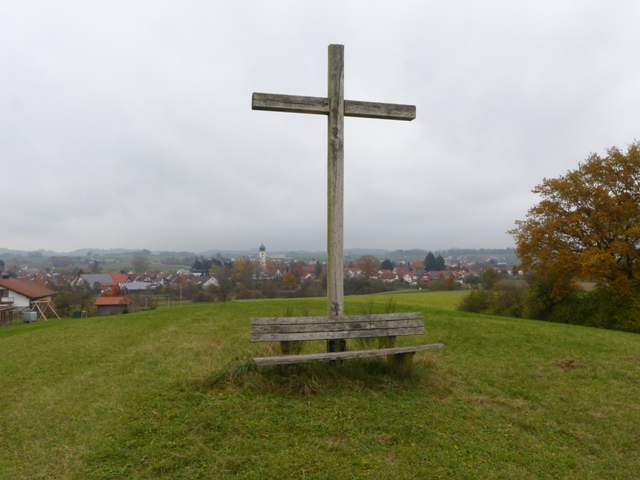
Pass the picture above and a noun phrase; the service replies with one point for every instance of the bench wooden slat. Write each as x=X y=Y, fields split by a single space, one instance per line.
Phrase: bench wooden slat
x=381 y=317
x=337 y=326
x=284 y=337
x=315 y=357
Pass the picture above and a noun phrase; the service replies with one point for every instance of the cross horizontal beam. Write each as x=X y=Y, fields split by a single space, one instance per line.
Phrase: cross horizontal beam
x=320 y=106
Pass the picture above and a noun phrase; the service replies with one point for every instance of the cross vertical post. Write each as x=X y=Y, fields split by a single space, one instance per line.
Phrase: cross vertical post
x=335 y=197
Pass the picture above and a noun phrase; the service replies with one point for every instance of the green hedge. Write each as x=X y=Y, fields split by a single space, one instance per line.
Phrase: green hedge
x=597 y=308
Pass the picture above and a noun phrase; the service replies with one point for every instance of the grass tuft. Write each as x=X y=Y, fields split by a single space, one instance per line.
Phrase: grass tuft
x=374 y=343
x=566 y=364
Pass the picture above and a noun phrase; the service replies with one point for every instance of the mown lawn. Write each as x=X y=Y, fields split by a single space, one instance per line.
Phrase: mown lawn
x=172 y=394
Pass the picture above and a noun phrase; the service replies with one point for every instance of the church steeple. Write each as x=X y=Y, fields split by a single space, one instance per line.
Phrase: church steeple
x=263 y=256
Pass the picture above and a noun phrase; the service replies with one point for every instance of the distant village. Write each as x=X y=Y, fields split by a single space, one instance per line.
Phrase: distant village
x=36 y=287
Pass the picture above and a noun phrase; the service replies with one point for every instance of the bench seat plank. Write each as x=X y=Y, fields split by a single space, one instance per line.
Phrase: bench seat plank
x=315 y=357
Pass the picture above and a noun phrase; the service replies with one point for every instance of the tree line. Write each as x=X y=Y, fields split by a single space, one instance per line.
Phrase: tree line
x=579 y=247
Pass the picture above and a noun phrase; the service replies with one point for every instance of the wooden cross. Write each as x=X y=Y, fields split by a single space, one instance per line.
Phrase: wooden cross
x=336 y=107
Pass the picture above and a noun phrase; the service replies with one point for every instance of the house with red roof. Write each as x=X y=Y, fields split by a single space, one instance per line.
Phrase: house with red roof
x=388 y=276
x=18 y=294
x=112 y=305
x=350 y=272
x=106 y=281
x=424 y=276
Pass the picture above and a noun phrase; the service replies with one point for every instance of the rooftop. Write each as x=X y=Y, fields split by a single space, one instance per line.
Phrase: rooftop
x=31 y=290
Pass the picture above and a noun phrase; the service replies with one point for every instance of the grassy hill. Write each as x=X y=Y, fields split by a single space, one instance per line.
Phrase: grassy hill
x=171 y=393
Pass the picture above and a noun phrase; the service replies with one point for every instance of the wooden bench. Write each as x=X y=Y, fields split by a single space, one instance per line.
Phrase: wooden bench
x=388 y=326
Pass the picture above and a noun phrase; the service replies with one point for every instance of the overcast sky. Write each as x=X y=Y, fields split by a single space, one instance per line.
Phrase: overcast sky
x=128 y=123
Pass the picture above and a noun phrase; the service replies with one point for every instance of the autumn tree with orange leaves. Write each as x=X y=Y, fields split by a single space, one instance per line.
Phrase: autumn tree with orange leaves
x=369 y=265
x=587 y=226
x=112 y=292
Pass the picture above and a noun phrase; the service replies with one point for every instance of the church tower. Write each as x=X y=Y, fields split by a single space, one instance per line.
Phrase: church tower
x=263 y=256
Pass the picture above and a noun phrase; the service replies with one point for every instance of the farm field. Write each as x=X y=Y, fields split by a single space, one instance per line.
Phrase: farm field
x=172 y=393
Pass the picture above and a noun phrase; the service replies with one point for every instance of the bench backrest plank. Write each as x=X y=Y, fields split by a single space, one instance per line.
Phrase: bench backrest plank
x=335 y=327
x=278 y=329
x=346 y=318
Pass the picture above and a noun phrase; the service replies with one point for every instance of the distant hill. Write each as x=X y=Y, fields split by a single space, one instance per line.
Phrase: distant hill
x=507 y=255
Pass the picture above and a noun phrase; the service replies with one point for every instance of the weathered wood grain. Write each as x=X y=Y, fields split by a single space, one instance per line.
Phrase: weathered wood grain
x=272 y=329
x=337 y=326
x=376 y=317
x=401 y=363
x=385 y=111
x=315 y=357
x=290 y=103
x=335 y=335
x=274 y=102
x=335 y=183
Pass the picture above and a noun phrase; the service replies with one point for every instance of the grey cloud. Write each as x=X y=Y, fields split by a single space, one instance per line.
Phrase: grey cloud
x=129 y=123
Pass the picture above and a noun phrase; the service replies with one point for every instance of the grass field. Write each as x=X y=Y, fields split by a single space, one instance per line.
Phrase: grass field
x=172 y=394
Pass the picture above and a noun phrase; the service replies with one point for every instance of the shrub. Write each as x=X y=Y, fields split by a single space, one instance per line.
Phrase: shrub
x=505 y=299
x=598 y=308
x=204 y=296
x=436 y=284
x=538 y=302
x=489 y=278
x=478 y=301
x=509 y=299
x=364 y=286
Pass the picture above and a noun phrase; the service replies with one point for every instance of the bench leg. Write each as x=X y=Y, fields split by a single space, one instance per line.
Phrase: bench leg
x=401 y=363
x=336 y=345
